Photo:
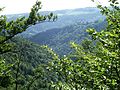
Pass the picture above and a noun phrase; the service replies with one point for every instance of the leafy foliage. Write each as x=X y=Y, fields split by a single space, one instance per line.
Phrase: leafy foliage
x=9 y=29
x=93 y=64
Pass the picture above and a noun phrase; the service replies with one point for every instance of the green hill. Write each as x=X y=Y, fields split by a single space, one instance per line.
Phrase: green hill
x=65 y=18
x=59 y=38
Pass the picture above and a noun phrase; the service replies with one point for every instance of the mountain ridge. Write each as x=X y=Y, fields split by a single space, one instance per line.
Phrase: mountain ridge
x=65 y=17
x=59 y=38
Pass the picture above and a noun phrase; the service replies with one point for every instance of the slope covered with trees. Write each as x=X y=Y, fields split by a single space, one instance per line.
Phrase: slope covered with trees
x=69 y=17
x=28 y=55
x=28 y=52
x=59 y=38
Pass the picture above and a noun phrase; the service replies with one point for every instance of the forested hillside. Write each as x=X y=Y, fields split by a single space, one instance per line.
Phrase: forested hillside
x=26 y=56
x=59 y=38
x=65 y=18
x=27 y=52
x=60 y=34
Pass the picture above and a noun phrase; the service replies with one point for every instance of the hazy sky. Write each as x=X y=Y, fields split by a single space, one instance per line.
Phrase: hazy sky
x=22 y=6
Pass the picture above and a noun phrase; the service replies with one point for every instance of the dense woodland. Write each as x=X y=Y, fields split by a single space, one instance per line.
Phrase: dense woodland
x=75 y=56
x=59 y=38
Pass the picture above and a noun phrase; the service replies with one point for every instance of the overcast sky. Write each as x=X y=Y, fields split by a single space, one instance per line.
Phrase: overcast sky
x=23 y=6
